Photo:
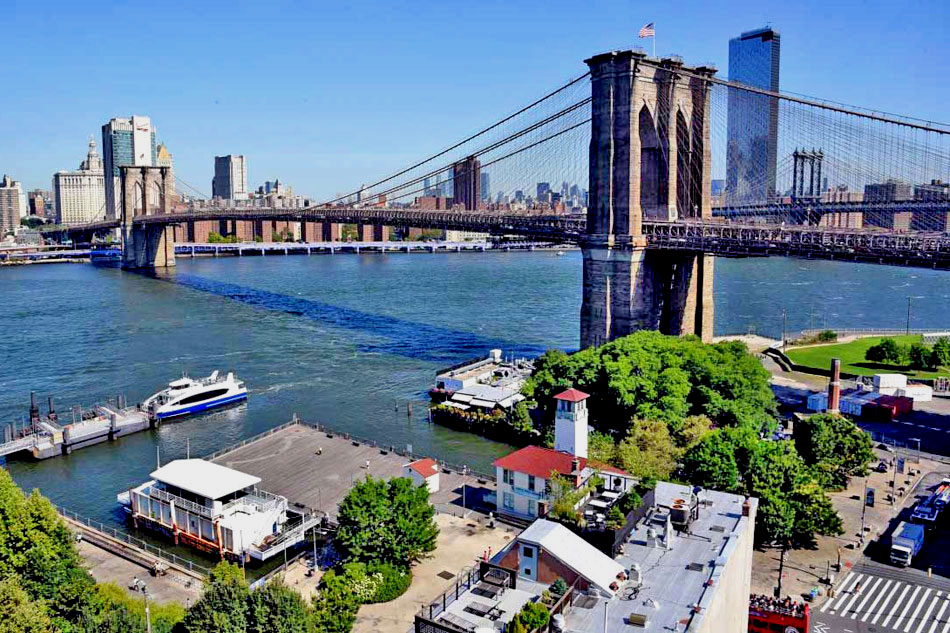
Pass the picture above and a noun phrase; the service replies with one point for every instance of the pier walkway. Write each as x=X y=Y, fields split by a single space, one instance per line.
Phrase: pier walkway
x=315 y=467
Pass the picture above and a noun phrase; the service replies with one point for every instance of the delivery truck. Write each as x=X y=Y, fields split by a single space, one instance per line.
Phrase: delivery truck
x=906 y=541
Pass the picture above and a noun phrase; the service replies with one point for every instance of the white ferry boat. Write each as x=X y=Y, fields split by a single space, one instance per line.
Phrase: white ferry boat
x=190 y=395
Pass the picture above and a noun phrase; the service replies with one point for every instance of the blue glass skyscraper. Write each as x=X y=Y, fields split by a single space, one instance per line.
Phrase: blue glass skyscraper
x=753 y=118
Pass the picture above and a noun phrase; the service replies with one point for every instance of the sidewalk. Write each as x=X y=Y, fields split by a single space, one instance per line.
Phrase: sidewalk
x=804 y=569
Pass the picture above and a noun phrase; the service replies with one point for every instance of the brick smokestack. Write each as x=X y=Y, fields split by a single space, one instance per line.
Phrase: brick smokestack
x=834 y=387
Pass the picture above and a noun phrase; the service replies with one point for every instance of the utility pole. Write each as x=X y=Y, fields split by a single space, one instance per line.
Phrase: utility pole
x=909 y=299
x=784 y=324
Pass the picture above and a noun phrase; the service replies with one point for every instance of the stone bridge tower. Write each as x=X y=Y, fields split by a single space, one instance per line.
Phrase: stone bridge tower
x=649 y=160
x=145 y=191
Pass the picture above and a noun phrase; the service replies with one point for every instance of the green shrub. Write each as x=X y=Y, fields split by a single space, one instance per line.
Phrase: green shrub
x=827 y=336
x=533 y=616
x=630 y=502
x=615 y=518
x=393 y=582
x=559 y=587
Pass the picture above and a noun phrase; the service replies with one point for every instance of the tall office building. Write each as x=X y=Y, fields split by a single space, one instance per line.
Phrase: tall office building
x=230 y=178
x=81 y=195
x=125 y=142
x=543 y=188
x=38 y=202
x=485 y=188
x=753 y=118
x=11 y=203
x=466 y=183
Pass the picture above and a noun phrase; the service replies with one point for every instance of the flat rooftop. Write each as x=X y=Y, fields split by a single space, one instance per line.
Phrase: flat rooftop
x=317 y=468
x=674 y=579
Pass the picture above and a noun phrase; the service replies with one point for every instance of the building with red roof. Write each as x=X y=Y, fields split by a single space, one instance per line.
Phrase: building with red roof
x=522 y=476
x=423 y=471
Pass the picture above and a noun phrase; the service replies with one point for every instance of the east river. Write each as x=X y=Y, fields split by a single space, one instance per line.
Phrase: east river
x=347 y=340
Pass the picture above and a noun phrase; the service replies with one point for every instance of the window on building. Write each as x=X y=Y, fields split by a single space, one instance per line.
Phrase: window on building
x=528 y=552
x=508 y=477
x=508 y=501
x=532 y=507
x=530 y=482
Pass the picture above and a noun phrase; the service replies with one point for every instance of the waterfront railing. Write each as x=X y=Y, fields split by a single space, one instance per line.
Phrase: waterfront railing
x=148 y=548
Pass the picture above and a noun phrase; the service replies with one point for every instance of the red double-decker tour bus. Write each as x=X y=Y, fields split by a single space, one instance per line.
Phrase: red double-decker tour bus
x=774 y=615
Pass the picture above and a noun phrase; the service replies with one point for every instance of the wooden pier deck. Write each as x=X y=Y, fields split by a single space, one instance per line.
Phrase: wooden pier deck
x=317 y=468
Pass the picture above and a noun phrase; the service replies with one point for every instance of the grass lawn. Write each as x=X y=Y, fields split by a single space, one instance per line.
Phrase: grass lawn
x=852 y=357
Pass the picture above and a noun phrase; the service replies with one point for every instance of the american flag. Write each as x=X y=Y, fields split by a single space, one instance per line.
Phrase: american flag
x=647 y=31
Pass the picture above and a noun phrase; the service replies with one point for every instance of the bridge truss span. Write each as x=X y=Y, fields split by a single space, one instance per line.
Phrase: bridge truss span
x=728 y=239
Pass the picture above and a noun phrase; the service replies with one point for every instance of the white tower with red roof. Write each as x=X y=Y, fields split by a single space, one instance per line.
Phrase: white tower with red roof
x=570 y=423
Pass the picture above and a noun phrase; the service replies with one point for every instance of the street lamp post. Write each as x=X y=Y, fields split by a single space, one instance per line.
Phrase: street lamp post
x=916 y=439
x=784 y=324
x=909 y=299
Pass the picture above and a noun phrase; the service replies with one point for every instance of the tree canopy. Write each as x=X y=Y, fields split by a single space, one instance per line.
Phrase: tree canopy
x=650 y=376
x=386 y=522
x=835 y=447
x=665 y=407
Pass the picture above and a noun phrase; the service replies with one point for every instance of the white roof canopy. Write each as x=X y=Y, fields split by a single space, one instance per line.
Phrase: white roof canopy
x=202 y=478
x=582 y=557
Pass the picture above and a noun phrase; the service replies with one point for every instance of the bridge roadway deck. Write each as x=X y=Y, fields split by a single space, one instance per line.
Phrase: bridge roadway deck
x=317 y=468
x=714 y=236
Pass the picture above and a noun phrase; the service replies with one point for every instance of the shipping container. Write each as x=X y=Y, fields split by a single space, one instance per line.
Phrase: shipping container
x=902 y=404
x=818 y=401
x=889 y=381
x=917 y=393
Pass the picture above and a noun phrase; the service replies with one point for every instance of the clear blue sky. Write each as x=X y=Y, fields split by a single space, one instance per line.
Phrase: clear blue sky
x=325 y=95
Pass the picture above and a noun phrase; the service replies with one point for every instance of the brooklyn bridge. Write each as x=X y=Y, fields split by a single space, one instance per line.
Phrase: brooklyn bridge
x=668 y=191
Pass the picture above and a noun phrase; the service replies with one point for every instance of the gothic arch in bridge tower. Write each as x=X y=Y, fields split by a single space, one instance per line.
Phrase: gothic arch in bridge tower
x=649 y=161
x=651 y=165
x=684 y=188
x=144 y=194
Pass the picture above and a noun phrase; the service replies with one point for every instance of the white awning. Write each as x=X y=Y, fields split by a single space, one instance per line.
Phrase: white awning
x=458 y=405
x=476 y=402
x=205 y=479
x=462 y=397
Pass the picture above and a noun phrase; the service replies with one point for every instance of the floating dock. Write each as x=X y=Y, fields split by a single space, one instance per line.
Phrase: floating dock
x=48 y=436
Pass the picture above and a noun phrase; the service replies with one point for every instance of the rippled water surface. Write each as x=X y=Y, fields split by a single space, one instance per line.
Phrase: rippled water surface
x=342 y=339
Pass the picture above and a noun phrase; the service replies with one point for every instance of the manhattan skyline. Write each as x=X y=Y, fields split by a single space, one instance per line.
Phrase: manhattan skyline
x=325 y=99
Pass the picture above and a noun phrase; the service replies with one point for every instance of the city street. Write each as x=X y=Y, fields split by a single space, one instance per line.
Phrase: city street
x=877 y=597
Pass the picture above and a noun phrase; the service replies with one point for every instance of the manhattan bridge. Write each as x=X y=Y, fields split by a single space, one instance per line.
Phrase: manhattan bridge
x=668 y=189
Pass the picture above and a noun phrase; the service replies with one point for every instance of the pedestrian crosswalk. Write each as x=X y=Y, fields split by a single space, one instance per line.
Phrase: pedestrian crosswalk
x=892 y=604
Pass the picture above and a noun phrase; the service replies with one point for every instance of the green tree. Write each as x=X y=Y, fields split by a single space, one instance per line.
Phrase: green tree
x=601 y=448
x=275 y=608
x=18 y=612
x=887 y=351
x=711 y=463
x=335 y=607
x=651 y=376
x=388 y=522
x=648 y=452
x=835 y=447
x=941 y=353
x=521 y=418
x=693 y=429
x=223 y=606
x=794 y=507
x=37 y=547
x=919 y=356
